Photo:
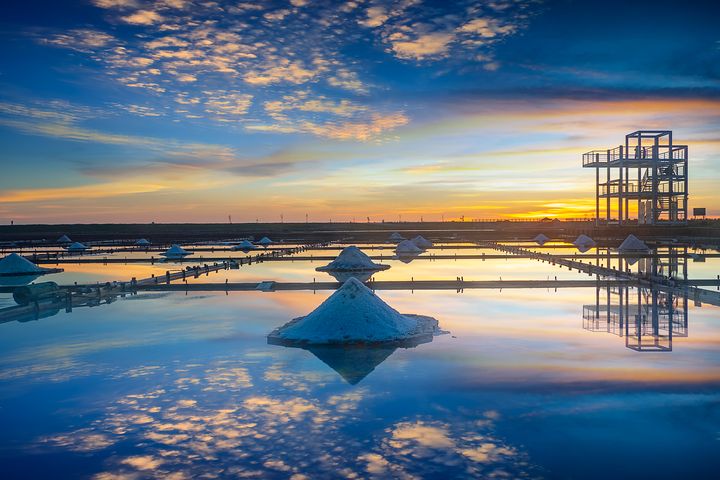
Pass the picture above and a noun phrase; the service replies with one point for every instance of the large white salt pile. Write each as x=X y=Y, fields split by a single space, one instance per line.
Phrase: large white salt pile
x=175 y=251
x=265 y=241
x=354 y=314
x=64 y=239
x=632 y=244
x=422 y=242
x=15 y=264
x=396 y=237
x=406 y=247
x=143 y=242
x=77 y=247
x=541 y=239
x=352 y=259
x=244 y=245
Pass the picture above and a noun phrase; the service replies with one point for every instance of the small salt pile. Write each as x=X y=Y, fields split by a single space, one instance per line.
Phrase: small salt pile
x=352 y=259
x=244 y=246
x=632 y=244
x=77 y=247
x=396 y=237
x=175 y=251
x=354 y=315
x=64 y=239
x=422 y=242
x=265 y=241
x=143 y=242
x=541 y=239
x=406 y=247
x=584 y=243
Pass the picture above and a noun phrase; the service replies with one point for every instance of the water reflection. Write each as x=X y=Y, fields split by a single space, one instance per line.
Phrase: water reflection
x=648 y=318
x=352 y=363
x=234 y=418
x=362 y=275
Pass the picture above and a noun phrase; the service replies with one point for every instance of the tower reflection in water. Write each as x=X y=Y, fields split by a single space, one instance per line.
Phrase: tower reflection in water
x=648 y=315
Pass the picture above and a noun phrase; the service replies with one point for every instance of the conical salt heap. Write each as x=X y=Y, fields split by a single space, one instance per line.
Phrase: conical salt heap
x=244 y=245
x=15 y=264
x=541 y=239
x=175 y=251
x=143 y=242
x=77 y=247
x=352 y=259
x=64 y=239
x=584 y=243
x=632 y=244
x=396 y=237
x=422 y=242
x=354 y=315
x=406 y=247
x=265 y=241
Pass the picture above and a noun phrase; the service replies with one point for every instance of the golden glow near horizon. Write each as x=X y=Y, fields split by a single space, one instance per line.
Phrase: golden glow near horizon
x=509 y=160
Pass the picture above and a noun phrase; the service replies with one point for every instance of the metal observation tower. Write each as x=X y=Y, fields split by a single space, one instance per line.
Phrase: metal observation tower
x=648 y=174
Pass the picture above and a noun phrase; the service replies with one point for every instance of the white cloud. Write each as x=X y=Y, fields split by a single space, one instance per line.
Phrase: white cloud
x=143 y=17
x=375 y=16
x=423 y=46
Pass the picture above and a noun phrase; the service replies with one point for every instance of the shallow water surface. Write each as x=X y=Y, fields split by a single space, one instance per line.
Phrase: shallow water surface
x=175 y=385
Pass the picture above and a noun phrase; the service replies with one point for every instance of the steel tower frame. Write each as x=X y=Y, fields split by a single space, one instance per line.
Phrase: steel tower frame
x=650 y=170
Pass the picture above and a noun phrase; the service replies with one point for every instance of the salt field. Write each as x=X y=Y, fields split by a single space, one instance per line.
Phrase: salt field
x=561 y=379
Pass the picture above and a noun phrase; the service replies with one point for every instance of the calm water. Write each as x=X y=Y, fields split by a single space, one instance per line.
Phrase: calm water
x=528 y=384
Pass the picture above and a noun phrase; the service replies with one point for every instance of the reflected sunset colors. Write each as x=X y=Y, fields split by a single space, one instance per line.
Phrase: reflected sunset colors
x=190 y=387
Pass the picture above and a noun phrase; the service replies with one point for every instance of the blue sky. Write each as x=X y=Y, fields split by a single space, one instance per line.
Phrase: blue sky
x=186 y=110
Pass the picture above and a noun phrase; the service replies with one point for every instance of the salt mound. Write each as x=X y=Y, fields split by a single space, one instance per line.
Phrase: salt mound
x=584 y=243
x=15 y=264
x=632 y=244
x=396 y=237
x=143 y=242
x=175 y=251
x=406 y=247
x=541 y=239
x=244 y=245
x=64 y=239
x=265 y=241
x=77 y=247
x=353 y=314
x=422 y=242
x=351 y=258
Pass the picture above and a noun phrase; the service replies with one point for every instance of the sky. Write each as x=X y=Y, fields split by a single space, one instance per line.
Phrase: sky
x=194 y=111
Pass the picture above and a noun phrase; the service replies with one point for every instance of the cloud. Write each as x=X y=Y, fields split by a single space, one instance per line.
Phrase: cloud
x=102 y=190
x=285 y=71
x=376 y=16
x=116 y=3
x=225 y=103
x=423 y=46
x=277 y=15
x=143 y=17
x=81 y=39
x=273 y=51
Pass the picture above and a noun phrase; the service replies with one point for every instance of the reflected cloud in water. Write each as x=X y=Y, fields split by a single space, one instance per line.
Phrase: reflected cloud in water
x=236 y=418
